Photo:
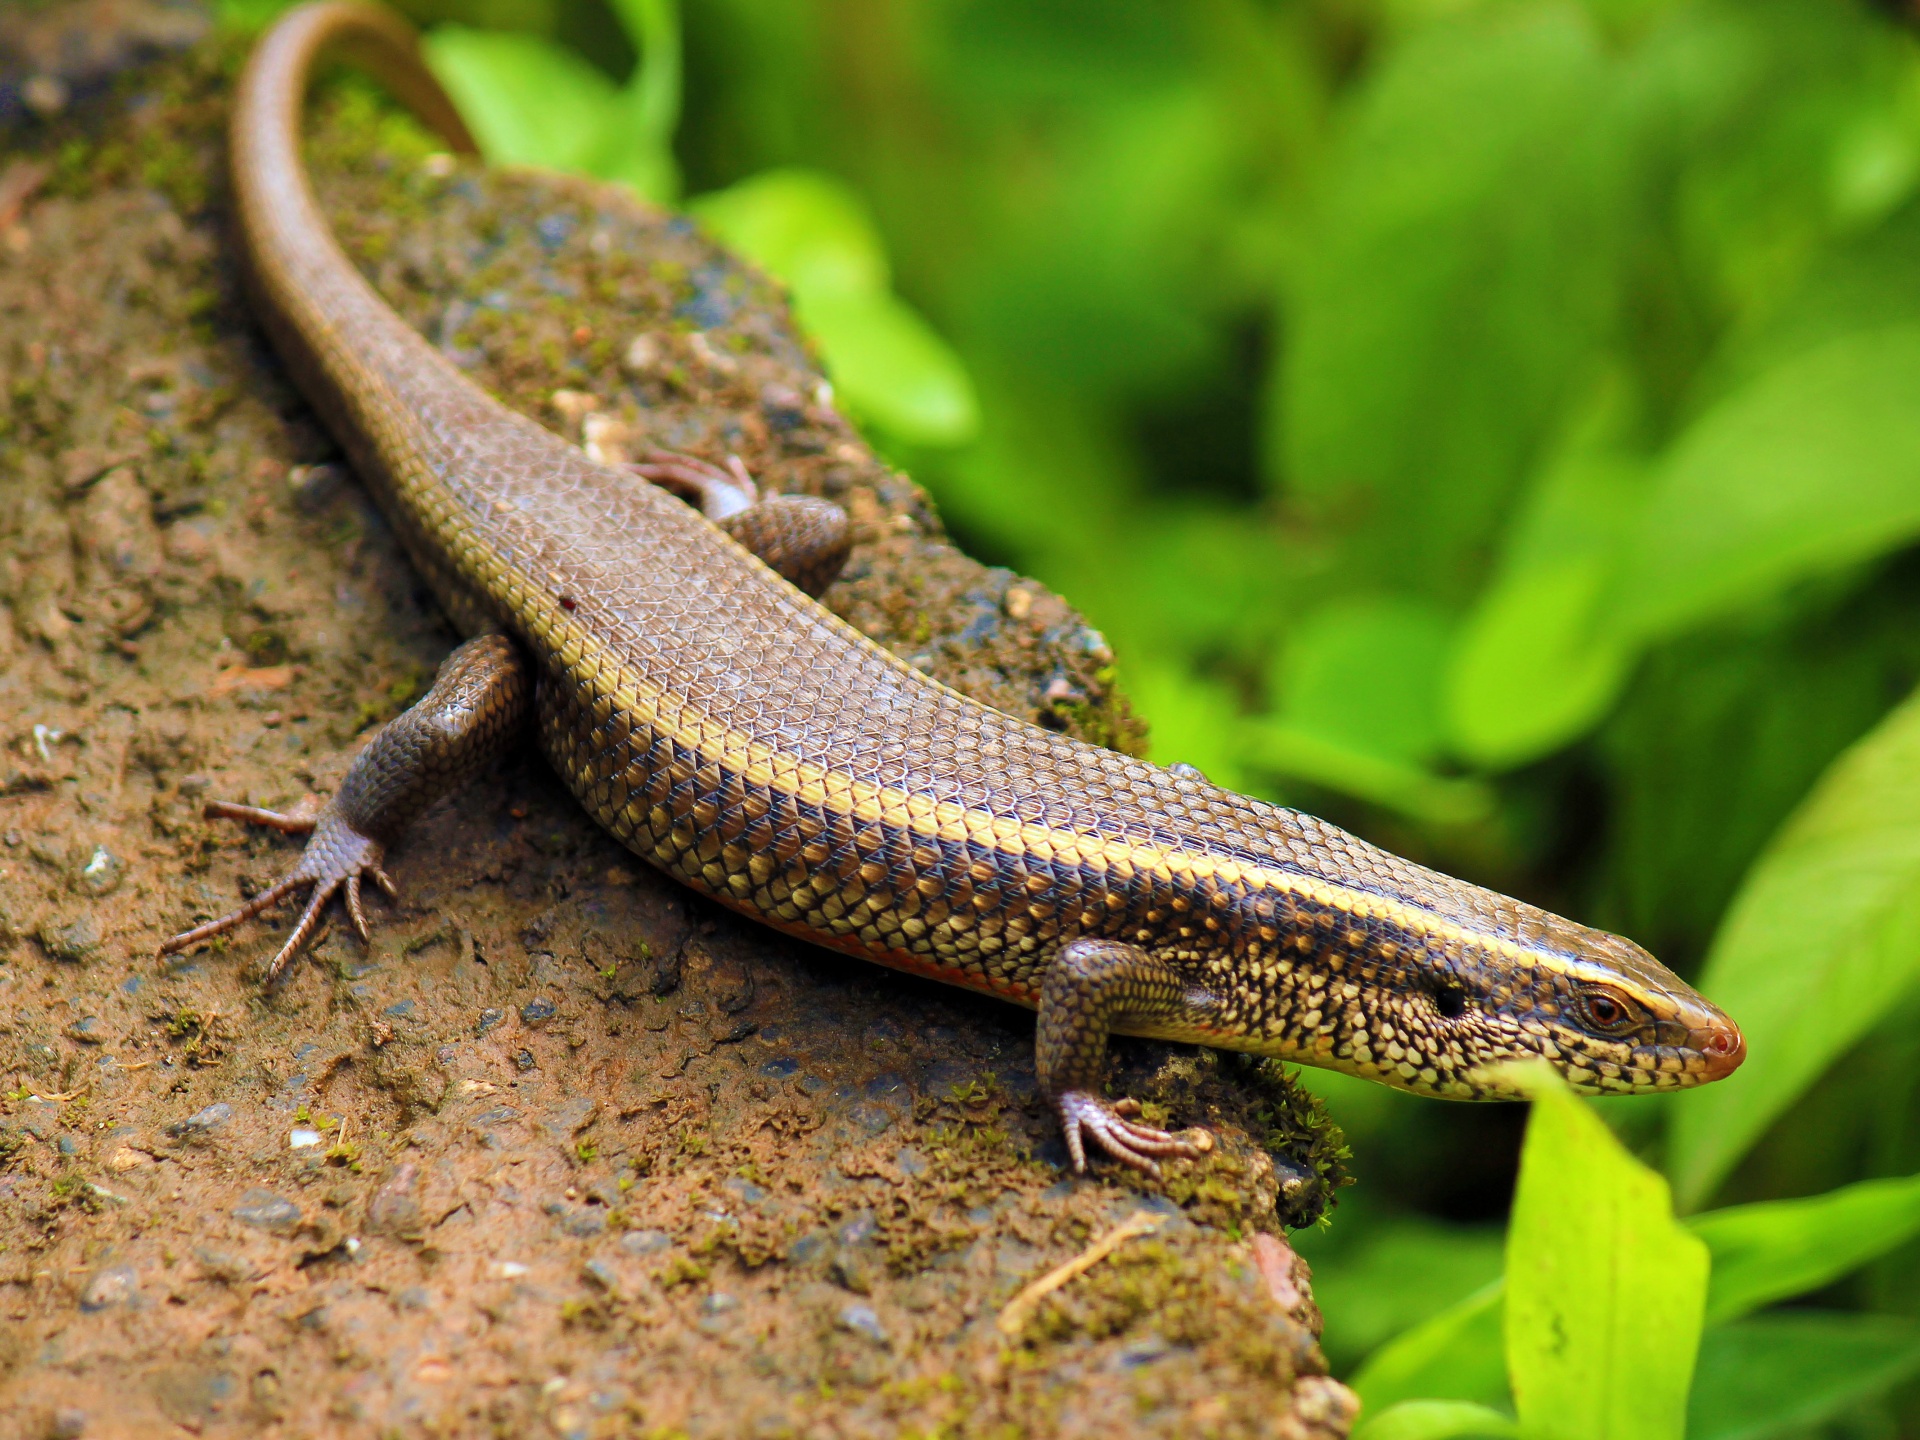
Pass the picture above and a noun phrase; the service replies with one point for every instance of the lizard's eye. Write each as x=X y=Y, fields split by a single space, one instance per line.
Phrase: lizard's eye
x=1606 y=1011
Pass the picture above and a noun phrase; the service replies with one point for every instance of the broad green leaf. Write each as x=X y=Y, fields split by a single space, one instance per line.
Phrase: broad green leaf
x=1438 y=1420
x=1777 y=1248
x=1366 y=672
x=1798 y=157
x=891 y=367
x=1822 y=940
x=1191 y=718
x=1811 y=467
x=1868 y=283
x=1760 y=1253
x=1459 y=273
x=886 y=361
x=1779 y=1375
x=1455 y=1355
x=1720 y=737
x=1357 y=686
x=804 y=226
x=1536 y=664
x=1396 y=1273
x=527 y=100
x=1320 y=759
x=1605 y=1290
x=636 y=148
x=250 y=16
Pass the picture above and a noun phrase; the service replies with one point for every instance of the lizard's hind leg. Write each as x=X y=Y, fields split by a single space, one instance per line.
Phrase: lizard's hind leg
x=477 y=706
x=804 y=538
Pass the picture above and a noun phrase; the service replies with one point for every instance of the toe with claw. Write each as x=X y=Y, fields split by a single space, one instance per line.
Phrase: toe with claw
x=337 y=858
x=1109 y=1125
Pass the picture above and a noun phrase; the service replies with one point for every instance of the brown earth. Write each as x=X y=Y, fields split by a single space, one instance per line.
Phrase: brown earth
x=568 y=1149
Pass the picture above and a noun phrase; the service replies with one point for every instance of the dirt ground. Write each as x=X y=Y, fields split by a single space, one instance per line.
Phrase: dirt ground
x=568 y=1150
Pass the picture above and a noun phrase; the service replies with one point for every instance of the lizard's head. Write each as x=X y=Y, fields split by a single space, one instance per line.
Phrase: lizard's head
x=1607 y=1015
x=1438 y=1003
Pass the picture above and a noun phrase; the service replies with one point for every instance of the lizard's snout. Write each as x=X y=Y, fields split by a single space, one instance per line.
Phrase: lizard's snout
x=1721 y=1042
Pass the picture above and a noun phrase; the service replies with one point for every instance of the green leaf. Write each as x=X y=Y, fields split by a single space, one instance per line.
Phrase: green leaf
x=1455 y=1355
x=1396 y=1273
x=1357 y=686
x=888 y=364
x=1438 y=1420
x=528 y=101
x=1777 y=1248
x=804 y=226
x=1777 y=1375
x=891 y=367
x=1811 y=467
x=1461 y=269
x=1760 y=1253
x=1320 y=759
x=1366 y=672
x=1535 y=664
x=1191 y=718
x=1605 y=1291
x=250 y=17
x=1822 y=940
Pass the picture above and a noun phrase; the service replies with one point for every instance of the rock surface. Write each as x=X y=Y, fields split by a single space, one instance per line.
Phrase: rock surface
x=568 y=1150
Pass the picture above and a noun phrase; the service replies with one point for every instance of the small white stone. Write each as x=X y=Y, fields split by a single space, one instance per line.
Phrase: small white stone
x=509 y=1269
x=302 y=1139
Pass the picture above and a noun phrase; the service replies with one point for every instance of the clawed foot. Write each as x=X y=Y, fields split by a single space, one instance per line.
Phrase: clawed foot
x=336 y=856
x=1111 y=1127
x=718 y=494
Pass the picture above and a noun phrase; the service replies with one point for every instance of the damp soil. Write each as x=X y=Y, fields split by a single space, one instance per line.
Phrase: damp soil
x=566 y=1150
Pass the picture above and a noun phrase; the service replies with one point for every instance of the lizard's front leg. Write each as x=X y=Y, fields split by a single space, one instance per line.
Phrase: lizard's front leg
x=1091 y=987
x=478 y=705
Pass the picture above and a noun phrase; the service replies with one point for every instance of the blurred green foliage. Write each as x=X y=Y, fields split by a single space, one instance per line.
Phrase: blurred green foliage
x=1494 y=424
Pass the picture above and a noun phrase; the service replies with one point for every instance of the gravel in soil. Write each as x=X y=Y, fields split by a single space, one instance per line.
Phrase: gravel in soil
x=566 y=1150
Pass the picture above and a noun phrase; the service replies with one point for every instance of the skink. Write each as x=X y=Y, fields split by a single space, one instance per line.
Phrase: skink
x=736 y=734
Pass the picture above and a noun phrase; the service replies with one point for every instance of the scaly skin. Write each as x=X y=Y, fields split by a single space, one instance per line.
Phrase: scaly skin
x=737 y=735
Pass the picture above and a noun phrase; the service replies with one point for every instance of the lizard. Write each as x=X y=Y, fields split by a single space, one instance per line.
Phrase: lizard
x=656 y=627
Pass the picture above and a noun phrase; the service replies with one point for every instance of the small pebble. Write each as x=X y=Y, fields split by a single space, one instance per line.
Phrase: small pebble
x=645 y=1242
x=201 y=1122
x=268 y=1211
x=602 y=1274
x=313 y=487
x=102 y=873
x=537 y=1012
x=1144 y=1351
x=488 y=1019
x=73 y=942
x=642 y=355
x=45 y=95
x=87 y=1030
x=68 y=1424
x=112 y=1286
x=748 y=1192
x=861 y=1319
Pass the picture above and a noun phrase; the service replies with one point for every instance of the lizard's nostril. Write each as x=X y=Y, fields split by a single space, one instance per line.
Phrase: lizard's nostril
x=1723 y=1045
